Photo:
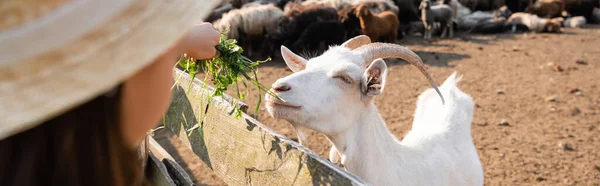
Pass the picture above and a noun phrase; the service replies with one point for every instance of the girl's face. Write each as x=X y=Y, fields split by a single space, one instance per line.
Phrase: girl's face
x=145 y=98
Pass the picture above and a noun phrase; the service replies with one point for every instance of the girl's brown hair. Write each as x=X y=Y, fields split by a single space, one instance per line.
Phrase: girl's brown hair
x=81 y=147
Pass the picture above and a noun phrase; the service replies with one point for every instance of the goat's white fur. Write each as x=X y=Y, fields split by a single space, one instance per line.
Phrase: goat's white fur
x=252 y=20
x=438 y=150
x=337 y=4
x=534 y=23
x=575 y=22
x=437 y=13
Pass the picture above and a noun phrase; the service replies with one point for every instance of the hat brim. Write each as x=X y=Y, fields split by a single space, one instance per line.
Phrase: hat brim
x=93 y=64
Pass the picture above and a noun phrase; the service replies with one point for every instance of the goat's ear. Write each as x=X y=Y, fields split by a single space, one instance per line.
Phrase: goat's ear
x=356 y=42
x=293 y=61
x=373 y=80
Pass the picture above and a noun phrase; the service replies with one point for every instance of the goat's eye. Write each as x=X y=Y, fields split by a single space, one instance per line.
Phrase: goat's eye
x=344 y=78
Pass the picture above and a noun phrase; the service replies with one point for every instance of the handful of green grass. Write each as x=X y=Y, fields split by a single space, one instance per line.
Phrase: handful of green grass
x=230 y=68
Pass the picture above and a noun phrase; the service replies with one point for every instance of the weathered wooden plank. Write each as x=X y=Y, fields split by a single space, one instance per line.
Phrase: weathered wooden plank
x=157 y=150
x=243 y=151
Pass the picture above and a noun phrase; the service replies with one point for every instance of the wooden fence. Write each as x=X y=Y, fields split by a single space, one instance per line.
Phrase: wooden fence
x=241 y=151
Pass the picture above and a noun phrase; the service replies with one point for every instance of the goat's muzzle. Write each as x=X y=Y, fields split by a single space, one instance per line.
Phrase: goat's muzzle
x=281 y=87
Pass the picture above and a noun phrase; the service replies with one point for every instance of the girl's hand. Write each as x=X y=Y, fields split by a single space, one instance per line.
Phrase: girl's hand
x=152 y=84
x=201 y=40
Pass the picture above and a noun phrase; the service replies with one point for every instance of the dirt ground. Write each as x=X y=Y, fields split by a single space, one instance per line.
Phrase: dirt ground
x=534 y=124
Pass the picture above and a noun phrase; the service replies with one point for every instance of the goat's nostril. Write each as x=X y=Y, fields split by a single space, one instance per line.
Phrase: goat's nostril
x=282 y=88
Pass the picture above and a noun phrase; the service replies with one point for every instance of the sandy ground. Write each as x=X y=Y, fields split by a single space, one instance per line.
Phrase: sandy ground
x=533 y=125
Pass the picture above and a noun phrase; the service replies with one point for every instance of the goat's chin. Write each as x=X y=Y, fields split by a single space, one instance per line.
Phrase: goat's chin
x=281 y=112
x=290 y=114
x=293 y=113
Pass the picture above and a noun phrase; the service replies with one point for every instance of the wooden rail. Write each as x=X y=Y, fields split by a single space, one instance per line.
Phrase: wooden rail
x=243 y=151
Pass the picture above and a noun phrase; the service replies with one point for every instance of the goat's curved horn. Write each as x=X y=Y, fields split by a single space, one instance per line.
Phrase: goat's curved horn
x=356 y=42
x=373 y=51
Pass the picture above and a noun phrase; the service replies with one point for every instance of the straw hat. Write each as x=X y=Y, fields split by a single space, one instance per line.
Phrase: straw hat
x=57 y=54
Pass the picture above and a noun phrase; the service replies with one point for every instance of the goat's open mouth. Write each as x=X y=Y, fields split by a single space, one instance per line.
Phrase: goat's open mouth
x=271 y=101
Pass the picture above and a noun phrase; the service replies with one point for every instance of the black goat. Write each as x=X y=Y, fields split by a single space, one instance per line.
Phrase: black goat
x=306 y=27
x=350 y=22
x=298 y=22
x=582 y=8
x=518 y=5
x=408 y=11
x=319 y=35
x=218 y=13
x=278 y=3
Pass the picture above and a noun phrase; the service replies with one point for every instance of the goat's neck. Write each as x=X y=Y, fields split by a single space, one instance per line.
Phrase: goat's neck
x=366 y=142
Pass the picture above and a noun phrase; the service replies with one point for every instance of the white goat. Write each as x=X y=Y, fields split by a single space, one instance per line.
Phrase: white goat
x=455 y=6
x=333 y=94
x=575 y=22
x=436 y=13
x=251 y=20
x=535 y=23
x=337 y=4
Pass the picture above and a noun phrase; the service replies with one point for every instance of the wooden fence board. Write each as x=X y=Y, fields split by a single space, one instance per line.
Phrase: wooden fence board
x=157 y=150
x=243 y=151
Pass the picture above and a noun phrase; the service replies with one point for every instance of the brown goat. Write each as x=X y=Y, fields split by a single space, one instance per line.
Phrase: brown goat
x=535 y=23
x=548 y=8
x=378 y=26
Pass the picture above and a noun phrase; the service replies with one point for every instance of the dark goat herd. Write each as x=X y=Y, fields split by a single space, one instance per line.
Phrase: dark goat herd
x=310 y=26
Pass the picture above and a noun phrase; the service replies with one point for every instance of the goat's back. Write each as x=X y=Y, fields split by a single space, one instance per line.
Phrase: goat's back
x=337 y=4
x=251 y=20
x=547 y=8
x=262 y=17
x=390 y=18
x=378 y=6
x=443 y=133
x=441 y=12
x=452 y=117
x=307 y=16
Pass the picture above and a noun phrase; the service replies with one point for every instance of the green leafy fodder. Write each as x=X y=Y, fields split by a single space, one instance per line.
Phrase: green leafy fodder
x=228 y=69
